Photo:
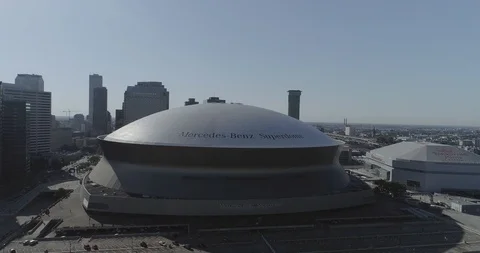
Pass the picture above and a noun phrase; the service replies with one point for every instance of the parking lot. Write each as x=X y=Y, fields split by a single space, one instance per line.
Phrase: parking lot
x=421 y=237
x=385 y=226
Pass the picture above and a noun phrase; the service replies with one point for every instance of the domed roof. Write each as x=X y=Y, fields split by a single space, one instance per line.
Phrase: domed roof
x=221 y=125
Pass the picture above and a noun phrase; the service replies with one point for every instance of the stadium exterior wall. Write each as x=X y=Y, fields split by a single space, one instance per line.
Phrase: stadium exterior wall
x=203 y=182
x=430 y=176
x=185 y=207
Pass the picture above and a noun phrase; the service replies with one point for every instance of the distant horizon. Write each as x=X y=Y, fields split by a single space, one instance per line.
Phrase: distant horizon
x=64 y=118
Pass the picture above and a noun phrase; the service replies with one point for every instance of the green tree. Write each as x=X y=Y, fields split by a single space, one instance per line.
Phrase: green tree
x=93 y=160
x=83 y=165
x=61 y=193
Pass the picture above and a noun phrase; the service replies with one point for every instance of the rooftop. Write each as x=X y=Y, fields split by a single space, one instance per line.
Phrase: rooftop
x=222 y=126
x=426 y=152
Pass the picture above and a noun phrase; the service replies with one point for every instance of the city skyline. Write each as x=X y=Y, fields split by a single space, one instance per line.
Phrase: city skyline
x=372 y=62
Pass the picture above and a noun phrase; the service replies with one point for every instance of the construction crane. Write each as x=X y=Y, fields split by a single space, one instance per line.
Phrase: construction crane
x=68 y=112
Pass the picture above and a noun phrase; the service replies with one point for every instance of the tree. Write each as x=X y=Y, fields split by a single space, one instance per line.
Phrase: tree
x=393 y=189
x=83 y=165
x=385 y=139
x=93 y=160
x=61 y=193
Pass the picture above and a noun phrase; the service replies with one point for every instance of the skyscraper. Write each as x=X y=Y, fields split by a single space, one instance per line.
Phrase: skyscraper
x=216 y=100
x=118 y=118
x=294 y=103
x=99 y=119
x=109 y=123
x=144 y=99
x=39 y=105
x=15 y=158
x=34 y=82
x=191 y=101
x=1 y=130
x=78 y=121
x=94 y=81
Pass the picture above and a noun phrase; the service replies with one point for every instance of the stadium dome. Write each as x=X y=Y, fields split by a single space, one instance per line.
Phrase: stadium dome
x=221 y=125
x=217 y=159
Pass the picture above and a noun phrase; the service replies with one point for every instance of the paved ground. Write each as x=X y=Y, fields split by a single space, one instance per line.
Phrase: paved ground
x=17 y=211
x=420 y=237
x=352 y=230
x=351 y=235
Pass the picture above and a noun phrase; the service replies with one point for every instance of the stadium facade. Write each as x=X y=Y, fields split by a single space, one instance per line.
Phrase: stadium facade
x=219 y=159
x=426 y=166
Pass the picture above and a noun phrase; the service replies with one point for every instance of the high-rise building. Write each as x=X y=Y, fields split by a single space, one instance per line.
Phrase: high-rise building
x=109 y=123
x=1 y=130
x=15 y=158
x=144 y=99
x=216 y=100
x=54 y=122
x=78 y=120
x=118 y=118
x=39 y=104
x=191 y=101
x=294 y=103
x=30 y=82
x=94 y=81
x=100 y=120
x=349 y=130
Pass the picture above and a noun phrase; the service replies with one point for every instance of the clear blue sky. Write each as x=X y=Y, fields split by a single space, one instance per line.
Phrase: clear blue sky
x=370 y=61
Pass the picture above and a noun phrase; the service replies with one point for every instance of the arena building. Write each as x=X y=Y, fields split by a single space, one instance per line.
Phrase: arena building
x=219 y=159
x=426 y=166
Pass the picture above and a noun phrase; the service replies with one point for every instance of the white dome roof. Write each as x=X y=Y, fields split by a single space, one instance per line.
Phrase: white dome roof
x=221 y=125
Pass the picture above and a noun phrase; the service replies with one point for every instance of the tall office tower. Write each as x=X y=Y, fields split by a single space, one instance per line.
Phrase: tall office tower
x=1 y=131
x=34 y=82
x=349 y=130
x=191 y=101
x=78 y=120
x=99 y=118
x=55 y=123
x=109 y=122
x=94 y=81
x=118 y=118
x=15 y=158
x=39 y=107
x=216 y=100
x=294 y=103
x=144 y=99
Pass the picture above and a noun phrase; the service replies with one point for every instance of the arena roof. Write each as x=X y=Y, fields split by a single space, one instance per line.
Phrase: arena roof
x=221 y=125
x=425 y=152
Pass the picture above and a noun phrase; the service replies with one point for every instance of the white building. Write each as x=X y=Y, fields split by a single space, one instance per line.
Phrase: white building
x=144 y=99
x=39 y=106
x=349 y=131
x=94 y=81
x=426 y=166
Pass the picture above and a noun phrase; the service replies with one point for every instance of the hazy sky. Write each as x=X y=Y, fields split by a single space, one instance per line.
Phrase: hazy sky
x=370 y=61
